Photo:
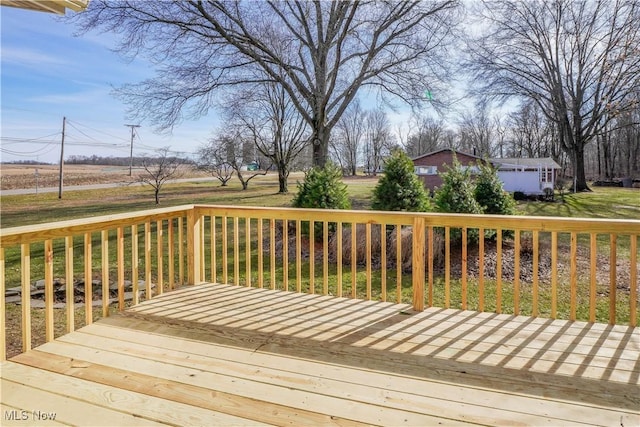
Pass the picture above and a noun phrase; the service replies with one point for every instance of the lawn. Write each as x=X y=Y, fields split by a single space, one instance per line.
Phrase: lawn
x=46 y=207
x=602 y=202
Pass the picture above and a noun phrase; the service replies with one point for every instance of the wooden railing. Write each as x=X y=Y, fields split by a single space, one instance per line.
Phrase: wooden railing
x=579 y=269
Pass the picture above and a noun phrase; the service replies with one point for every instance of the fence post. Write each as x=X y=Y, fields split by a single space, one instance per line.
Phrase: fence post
x=194 y=238
x=417 y=269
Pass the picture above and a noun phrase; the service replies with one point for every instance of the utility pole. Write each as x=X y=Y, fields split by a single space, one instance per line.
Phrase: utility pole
x=64 y=122
x=133 y=127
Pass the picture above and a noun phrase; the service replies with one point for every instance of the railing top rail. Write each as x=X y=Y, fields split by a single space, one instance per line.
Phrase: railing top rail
x=506 y=222
x=39 y=232
x=51 y=230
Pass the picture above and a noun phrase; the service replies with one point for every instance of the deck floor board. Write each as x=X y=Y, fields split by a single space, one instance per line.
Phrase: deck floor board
x=226 y=355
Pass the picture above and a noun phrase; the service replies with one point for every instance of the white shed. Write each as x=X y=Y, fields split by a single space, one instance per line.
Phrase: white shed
x=527 y=175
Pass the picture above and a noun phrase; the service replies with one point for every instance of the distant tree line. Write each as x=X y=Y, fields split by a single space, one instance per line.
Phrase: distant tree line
x=138 y=161
x=25 y=162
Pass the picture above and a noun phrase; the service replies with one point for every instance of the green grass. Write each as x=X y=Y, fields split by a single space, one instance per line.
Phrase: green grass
x=602 y=202
x=41 y=208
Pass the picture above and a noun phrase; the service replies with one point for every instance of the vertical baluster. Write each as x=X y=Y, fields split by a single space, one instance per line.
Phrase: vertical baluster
x=213 y=250
x=312 y=257
x=481 y=269
x=225 y=255
x=354 y=285
x=247 y=251
x=48 y=290
x=447 y=267
x=135 y=265
x=593 y=259
x=464 y=268
x=536 y=258
x=612 y=278
x=147 y=260
x=104 y=246
x=236 y=251
x=298 y=256
x=633 y=280
x=200 y=246
x=69 y=288
x=368 y=258
x=120 y=255
x=573 y=280
x=498 y=271
x=88 y=279
x=383 y=262
x=398 y=263
x=160 y=256
x=430 y=264
x=172 y=259
x=339 y=260
x=181 y=250
x=260 y=254
x=325 y=258
x=554 y=274
x=516 y=273
x=25 y=254
x=272 y=250
x=285 y=255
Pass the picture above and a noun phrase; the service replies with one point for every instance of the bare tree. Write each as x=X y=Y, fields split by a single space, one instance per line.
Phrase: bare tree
x=427 y=136
x=500 y=128
x=266 y=115
x=212 y=159
x=627 y=135
x=348 y=138
x=477 y=131
x=578 y=60
x=231 y=149
x=321 y=52
x=160 y=169
x=378 y=140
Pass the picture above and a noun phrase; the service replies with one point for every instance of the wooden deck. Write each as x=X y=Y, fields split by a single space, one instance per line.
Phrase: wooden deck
x=227 y=355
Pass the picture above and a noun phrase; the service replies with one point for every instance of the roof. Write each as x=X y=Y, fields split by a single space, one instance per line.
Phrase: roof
x=535 y=162
x=446 y=149
x=51 y=6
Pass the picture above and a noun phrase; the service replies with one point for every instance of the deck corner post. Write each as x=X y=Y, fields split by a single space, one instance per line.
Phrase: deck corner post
x=418 y=265
x=194 y=240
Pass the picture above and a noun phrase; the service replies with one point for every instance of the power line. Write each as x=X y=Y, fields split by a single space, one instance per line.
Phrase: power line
x=31 y=154
x=102 y=132
x=90 y=137
x=37 y=139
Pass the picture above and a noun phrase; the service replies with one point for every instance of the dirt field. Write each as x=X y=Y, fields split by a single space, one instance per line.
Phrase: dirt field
x=24 y=176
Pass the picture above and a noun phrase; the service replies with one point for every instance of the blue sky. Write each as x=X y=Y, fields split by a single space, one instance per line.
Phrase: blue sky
x=47 y=74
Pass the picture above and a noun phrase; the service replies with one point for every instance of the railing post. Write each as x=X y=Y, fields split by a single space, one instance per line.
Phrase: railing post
x=417 y=270
x=194 y=239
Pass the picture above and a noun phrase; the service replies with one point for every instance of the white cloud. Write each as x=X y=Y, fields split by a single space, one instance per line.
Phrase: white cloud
x=86 y=97
x=31 y=58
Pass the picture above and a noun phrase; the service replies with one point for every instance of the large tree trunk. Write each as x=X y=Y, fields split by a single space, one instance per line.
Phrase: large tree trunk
x=320 y=140
x=283 y=174
x=577 y=159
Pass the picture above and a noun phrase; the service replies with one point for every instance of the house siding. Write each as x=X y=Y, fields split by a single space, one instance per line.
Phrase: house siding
x=438 y=159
